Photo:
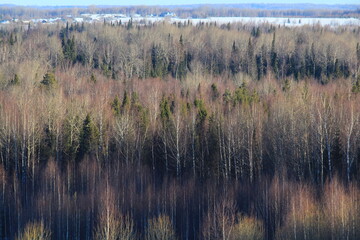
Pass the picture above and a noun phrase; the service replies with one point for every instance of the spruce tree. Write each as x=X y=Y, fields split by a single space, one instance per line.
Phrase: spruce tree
x=125 y=105
x=234 y=60
x=88 y=138
x=12 y=39
x=116 y=106
x=93 y=78
x=15 y=80
x=49 y=81
x=165 y=112
x=273 y=56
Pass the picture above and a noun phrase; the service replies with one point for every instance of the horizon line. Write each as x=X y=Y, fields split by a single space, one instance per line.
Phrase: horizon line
x=180 y=4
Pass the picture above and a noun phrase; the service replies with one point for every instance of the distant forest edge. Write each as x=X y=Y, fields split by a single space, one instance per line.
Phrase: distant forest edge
x=188 y=11
x=179 y=131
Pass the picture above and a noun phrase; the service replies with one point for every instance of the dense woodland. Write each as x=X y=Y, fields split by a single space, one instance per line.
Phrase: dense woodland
x=176 y=131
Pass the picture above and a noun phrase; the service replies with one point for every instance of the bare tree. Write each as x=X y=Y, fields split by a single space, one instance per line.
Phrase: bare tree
x=112 y=224
x=35 y=230
x=160 y=228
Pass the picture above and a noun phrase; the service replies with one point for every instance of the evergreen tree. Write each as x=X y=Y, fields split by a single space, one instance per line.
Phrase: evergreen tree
x=172 y=68
x=182 y=68
x=358 y=60
x=250 y=57
x=255 y=32
x=234 y=64
x=214 y=92
x=220 y=65
x=158 y=62
x=181 y=41
x=358 y=53
x=15 y=80
x=69 y=50
x=49 y=81
x=116 y=106
x=313 y=60
x=48 y=143
x=12 y=39
x=202 y=112
x=227 y=96
x=88 y=137
x=165 y=112
x=273 y=56
x=356 y=87
x=259 y=63
x=93 y=78
x=242 y=95
x=286 y=86
x=126 y=101
x=130 y=24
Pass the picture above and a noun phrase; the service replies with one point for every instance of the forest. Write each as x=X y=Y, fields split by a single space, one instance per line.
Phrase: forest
x=178 y=131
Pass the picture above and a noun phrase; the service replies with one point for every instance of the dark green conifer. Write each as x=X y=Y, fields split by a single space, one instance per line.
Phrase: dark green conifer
x=88 y=137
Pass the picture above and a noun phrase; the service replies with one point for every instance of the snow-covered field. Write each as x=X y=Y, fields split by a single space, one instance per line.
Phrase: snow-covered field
x=290 y=22
x=282 y=21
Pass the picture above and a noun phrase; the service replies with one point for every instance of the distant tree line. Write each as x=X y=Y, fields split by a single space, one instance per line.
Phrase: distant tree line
x=190 y=11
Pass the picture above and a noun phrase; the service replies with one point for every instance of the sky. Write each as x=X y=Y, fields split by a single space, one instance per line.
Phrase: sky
x=161 y=2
